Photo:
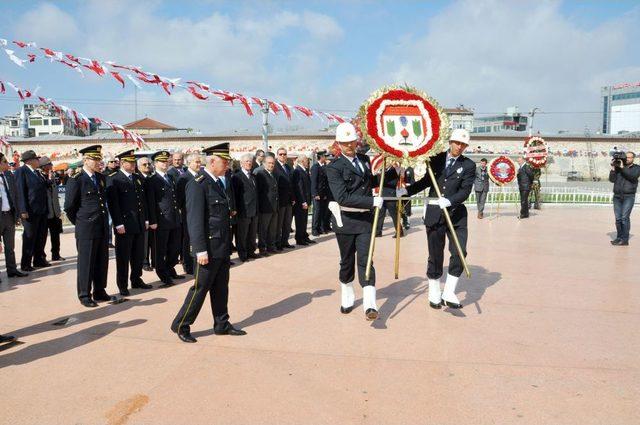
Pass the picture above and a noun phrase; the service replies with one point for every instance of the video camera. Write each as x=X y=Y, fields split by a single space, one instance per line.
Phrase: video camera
x=618 y=158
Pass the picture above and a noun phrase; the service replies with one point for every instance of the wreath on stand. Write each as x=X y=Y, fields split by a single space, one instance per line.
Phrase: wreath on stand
x=502 y=170
x=536 y=151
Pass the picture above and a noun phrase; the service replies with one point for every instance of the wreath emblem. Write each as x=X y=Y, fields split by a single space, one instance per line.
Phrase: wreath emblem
x=536 y=151
x=502 y=170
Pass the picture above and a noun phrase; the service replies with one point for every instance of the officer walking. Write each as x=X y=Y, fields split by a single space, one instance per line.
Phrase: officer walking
x=128 y=209
x=84 y=204
x=208 y=221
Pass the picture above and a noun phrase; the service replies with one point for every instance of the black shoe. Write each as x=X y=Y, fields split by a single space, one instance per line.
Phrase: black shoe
x=378 y=234
x=371 y=314
x=230 y=330
x=616 y=241
x=88 y=302
x=186 y=336
x=7 y=338
x=264 y=254
x=125 y=292
x=177 y=276
x=101 y=297
x=623 y=243
x=450 y=304
x=302 y=243
x=42 y=264
x=231 y=263
x=309 y=241
x=166 y=283
x=279 y=249
x=27 y=269
x=316 y=234
x=253 y=255
x=57 y=258
x=288 y=246
x=147 y=268
x=140 y=285
x=17 y=273
x=346 y=310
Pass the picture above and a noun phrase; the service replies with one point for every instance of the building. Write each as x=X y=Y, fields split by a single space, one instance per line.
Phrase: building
x=620 y=108
x=148 y=126
x=460 y=117
x=510 y=120
x=39 y=119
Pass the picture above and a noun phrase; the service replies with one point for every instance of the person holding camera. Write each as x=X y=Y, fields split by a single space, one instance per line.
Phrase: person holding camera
x=624 y=176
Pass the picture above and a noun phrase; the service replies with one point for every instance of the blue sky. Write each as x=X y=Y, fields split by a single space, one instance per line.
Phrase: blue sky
x=330 y=55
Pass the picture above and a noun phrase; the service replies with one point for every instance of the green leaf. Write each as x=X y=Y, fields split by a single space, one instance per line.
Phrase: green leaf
x=391 y=128
x=417 y=128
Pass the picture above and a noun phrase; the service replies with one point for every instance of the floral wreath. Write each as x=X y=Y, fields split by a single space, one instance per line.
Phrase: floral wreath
x=417 y=117
x=536 y=151
x=496 y=171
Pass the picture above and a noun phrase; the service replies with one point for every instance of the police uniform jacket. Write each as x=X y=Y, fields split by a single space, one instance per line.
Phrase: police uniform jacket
x=455 y=185
x=127 y=201
x=163 y=202
x=245 y=191
x=85 y=207
x=208 y=217
x=352 y=187
x=267 y=191
x=181 y=188
x=391 y=178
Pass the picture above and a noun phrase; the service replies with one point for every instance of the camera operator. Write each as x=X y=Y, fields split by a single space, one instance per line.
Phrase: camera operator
x=624 y=176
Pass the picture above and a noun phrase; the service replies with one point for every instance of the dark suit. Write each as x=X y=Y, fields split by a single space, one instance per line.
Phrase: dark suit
x=525 y=181
x=8 y=220
x=391 y=179
x=181 y=187
x=481 y=186
x=351 y=187
x=455 y=184
x=320 y=220
x=302 y=192
x=409 y=179
x=175 y=173
x=286 y=198
x=208 y=221
x=128 y=208
x=85 y=207
x=32 y=199
x=245 y=189
x=268 y=206
x=165 y=212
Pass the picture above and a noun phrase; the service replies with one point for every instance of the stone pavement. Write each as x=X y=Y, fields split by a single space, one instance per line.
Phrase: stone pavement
x=548 y=335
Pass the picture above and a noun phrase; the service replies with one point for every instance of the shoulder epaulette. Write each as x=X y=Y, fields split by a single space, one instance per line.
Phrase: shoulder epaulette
x=113 y=174
x=199 y=178
x=76 y=174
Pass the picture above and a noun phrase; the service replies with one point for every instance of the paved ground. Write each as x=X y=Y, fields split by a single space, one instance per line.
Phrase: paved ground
x=548 y=335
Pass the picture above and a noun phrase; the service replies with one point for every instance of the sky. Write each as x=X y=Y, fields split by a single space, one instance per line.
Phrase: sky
x=328 y=55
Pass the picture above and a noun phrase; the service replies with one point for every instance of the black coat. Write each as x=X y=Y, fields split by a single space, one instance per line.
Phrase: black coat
x=245 y=190
x=350 y=187
x=319 y=182
x=181 y=189
x=391 y=178
x=127 y=202
x=175 y=173
x=268 y=193
x=625 y=180
x=84 y=204
x=32 y=192
x=208 y=217
x=525 y=177
x=455 y=185
x=301 y=186
x=163 y=203
x=286 y=194
x=12 y=192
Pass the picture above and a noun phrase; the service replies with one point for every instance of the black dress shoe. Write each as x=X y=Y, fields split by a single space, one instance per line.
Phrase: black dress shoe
x=302 y=243
x=437 y=306
x=186 y=337
x=166 y=282
x=378 y=234
x=57 y=258
x=177 y=276
x=17 y=273
x=346 y=310
x=279 y=249
x=125 y=292
x=315 y=234
x=371 y=314
x=288 y=246
x=7 y=338
x=616 y=241
x=88 y=302
x=623 y=243
x=101 y=297
x=230 y=330
x=43 y=264
x=265 y=254
x=450 y=304
x=309 y=241
x=141 y=285
x=27 y=269
x=253 y=255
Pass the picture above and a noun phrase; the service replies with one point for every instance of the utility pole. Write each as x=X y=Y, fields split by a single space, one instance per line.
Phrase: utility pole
x=532 y=114
x=265 y=125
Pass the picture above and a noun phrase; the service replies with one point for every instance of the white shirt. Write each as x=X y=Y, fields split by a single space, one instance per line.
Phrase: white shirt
x=351 y=158
x=193 y=173
x=4 y=194
x=90 y=173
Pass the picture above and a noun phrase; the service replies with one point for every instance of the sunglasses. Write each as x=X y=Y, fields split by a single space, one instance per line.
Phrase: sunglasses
x=282 y=154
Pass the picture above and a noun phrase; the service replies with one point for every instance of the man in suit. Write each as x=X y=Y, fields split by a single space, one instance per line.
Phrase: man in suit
x=320 y=195
x=454 y=175
x=245 y=188
x=145 y=170
x=208 y=214
x=302 y=192
x=409 y=179
x=177 y=166
x=54 y=222
x=8 y=216
x=164 y=219
x=351 y=182
x=32 y=206
x=194 y=161
x=268 y=204
x=286 y=199
x=85 y=205
x=391 y=183
x=128 y=209
x=481 y=186
x=258 y=159
x=525 y=180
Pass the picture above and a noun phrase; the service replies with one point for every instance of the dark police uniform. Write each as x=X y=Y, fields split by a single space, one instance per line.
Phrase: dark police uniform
x=128 y=207
x=409 y=179
x=165 y=212
x=320 y=189
x=84 y=205
x=391 y=178
x=181 y=186
x=208 y=221
x=455 y=182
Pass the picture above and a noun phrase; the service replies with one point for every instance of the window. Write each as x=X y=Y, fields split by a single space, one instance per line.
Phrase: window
x=14 y=123
x=43 y=134
x=624 y=96
x=55 y=121
x=35 y=121
x=605 y=117
x=45 y=121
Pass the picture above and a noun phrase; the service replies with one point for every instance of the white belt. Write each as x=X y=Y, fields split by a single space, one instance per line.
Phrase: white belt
x=336 y=208
x=351 y=209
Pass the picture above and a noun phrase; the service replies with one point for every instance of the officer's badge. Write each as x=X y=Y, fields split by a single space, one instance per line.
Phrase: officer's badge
x=459 y=170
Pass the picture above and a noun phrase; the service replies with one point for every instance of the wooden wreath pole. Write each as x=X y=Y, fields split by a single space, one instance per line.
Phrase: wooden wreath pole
x=448 y=219
x=376 y=213
x=398 y=230
x=499 y=200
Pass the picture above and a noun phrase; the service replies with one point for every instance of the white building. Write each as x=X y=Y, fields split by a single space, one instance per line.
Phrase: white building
x=512 y=119
x=621 y=108
x=460 y=117
x=40 y=119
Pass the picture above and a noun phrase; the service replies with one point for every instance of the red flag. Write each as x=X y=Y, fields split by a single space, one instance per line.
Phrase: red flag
x=257 y=100
x=196 y=93
x=96 y=67
x=20 y=44
x=286 y=110
x=2 y=89
x=306 y=111
x=117 y=76
x=48 y=52
x=274 y=107
x=166 y=86
x=246 y=105
x=201 y=86
x=73 y=58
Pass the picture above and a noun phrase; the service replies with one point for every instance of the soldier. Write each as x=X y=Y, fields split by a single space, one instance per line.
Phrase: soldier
x=85 y=207
x=54 y=222
x=145 y=170
x=351 y=183
x=194 y=162
x=455 y=175
x=128 y=209
x=164 y=220
x=320 y=194
x=208 y=221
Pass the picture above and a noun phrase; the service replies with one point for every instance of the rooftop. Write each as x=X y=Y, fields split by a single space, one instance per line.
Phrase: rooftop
x=148 y=124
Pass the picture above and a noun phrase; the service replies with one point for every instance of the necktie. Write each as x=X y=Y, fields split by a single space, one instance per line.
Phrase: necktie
x=6 y=189
x=356 y=163
x=449 y=163
x=221 y=184
x=94 y=179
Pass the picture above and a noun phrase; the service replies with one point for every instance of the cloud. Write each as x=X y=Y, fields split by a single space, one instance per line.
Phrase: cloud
x=46 y=23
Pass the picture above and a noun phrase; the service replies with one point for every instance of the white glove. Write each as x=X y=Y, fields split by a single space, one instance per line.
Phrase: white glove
x=401 y=192
x=377 y=202
x=444 y=203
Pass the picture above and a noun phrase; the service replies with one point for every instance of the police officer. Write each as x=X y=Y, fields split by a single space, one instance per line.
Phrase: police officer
x=320 y=194
x=85 y=207
x=208 y=221
x=351 y=181
x=164 y=219
x=454 y=174
x=127 y=206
